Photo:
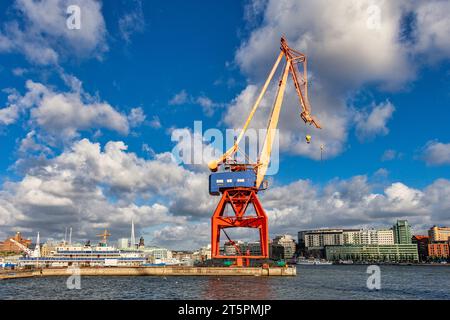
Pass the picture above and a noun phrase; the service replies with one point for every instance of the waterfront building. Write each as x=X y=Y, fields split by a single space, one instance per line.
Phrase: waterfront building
x=158 y=253
x=318 y=239
x=368 y=236
x=283 y=247
x=402 y=232
x=422 y=246
x=141 y=243
x=311 y=243
x=253 y=248
x=314 y=242
x=438 y=250
x=196 y=257
x=438 y=234
x=10 y=246
x=352 y=236
x=161 y=256
x=230 y=248
x=123 y=243
x=205 y=253
x=385 y=237
x=373 y=253
x=182 y=255
x=48 y=248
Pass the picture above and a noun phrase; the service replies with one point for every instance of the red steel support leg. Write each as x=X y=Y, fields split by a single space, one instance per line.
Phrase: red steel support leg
x=239 y=199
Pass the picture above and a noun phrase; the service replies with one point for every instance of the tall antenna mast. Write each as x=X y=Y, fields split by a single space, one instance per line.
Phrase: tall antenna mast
x=133 y=239
x=37 y=248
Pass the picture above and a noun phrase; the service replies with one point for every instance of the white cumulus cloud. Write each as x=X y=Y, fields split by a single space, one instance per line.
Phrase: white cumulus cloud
x=40 y=32
x=373 y=123
x=436 y=153
x=63 y=115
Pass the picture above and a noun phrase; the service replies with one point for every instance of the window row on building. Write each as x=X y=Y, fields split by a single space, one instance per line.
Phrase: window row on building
x=383 y=253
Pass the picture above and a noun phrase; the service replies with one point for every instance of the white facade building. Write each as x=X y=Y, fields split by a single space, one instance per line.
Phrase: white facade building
x=369 y=236
x=351 y=236
x=205 y=252
x=385 y=237
x=282 y=247
x=318 y=239
x=322 y=237
x=155 y=253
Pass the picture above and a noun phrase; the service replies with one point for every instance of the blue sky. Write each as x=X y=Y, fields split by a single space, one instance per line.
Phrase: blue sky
x=382 y=99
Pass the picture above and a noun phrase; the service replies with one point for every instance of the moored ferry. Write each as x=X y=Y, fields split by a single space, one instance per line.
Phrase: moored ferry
x=102 y=255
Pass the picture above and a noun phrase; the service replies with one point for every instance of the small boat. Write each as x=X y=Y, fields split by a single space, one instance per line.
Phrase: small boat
x=314 y=262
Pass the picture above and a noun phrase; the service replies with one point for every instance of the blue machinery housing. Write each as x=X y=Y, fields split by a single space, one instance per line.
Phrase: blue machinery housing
x=230 y=179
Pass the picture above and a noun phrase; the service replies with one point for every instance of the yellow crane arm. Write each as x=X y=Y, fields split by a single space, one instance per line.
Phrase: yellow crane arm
x=271 y=129
x=215 y=163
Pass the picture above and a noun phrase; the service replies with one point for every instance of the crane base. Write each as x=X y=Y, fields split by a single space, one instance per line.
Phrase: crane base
x=239 y=199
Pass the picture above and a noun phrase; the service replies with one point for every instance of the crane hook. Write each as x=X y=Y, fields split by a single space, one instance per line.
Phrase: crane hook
x=308 y=139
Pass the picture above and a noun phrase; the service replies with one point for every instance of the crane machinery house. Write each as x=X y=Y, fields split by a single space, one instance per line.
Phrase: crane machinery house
x=221 y=181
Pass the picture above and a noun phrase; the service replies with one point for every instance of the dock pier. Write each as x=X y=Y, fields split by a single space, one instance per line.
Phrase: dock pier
x=155 y=271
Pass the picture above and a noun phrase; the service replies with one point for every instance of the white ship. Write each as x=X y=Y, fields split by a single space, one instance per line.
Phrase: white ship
x=87 y=256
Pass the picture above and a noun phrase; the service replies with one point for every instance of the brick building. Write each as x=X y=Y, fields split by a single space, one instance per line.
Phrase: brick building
x=438 y=250
x=9 y=246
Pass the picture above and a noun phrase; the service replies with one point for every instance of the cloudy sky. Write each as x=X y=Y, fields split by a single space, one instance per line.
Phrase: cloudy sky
x=87 y=114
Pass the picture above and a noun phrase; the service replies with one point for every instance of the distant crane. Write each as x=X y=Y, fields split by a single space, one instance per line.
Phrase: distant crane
x=104 y=236
x=239 y=183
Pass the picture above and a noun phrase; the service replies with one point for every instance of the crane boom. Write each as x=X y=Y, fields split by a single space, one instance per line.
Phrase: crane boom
x=293 y=58
x=270 y=134
x=215 y=163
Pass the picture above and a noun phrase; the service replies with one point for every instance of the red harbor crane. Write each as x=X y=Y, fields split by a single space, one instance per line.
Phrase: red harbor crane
x=239 y=183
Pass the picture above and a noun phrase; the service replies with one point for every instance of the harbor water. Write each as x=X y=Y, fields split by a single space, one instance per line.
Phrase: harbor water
x=311 y=282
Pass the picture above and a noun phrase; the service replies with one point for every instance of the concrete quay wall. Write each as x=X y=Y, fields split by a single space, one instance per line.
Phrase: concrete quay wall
x=171 y=271
x=16 y=275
